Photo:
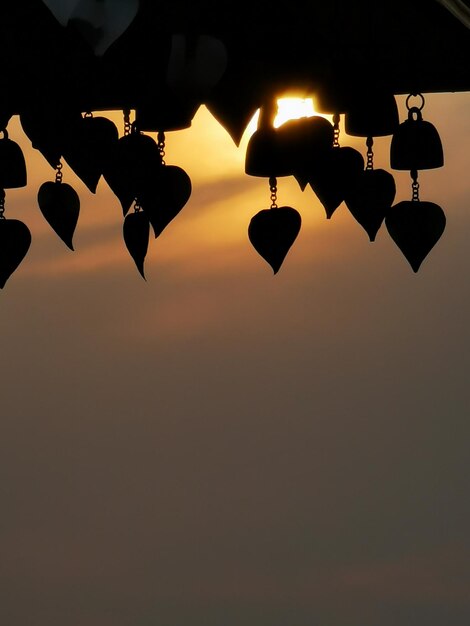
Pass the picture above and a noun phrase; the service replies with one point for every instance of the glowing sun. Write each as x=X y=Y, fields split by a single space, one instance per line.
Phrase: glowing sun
x=288 y=109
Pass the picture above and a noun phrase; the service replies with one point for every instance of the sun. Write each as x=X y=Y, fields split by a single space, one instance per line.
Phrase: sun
x=293 y=108
x=288 y=109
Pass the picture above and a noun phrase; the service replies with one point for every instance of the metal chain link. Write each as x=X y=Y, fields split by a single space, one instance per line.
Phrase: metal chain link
x=58 y=172
x=336 y=119
x=161 y=145
x=2 y=204
x=414 y=185
x=137 y=206
x=273 y=190
x=370 y=154
x=127 y=122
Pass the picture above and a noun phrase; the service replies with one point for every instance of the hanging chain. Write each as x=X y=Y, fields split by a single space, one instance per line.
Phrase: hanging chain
x=137 y=206
x=370 y=154
x=2 y=204
x=336 y=119
x=161 y=145
x=58 y=172
x=127 y=122
x=414 y=185
x=273 y=190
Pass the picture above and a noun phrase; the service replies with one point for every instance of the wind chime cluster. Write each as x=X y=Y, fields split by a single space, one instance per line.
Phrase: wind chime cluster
x=132 y=165
x=153 y=193
x=309 y=149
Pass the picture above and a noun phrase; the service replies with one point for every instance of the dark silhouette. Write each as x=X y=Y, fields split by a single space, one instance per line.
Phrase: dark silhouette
x=60 y=205
x=336 y=176
x=416 y=144
x=63 y=64
x=272 y=233
x=15 y=239
x=136 y=229
x=371 y=198
x=415 y=227
x=166 y=197
x=12 y=164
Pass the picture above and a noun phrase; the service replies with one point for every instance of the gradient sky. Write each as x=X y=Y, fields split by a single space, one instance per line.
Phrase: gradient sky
x=219 y=446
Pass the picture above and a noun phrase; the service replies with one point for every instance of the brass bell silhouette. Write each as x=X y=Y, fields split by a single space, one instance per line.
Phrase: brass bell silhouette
x=416 y=144
x=265 y=154
x=374 y=116
x=12 y=164
x=167 y=113
x=305 y=142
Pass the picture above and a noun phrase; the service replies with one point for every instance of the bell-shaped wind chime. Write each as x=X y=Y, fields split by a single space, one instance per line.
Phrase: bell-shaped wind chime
x=15 y=236
x=369 y=200
x=272 y=231
x=415 y=225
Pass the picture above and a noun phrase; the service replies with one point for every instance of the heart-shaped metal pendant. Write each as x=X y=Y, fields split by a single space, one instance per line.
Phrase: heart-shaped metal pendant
x=60 y=205
x=88 y=148
x=370 y=199
x=168 y=195
x=133 y=165
x=15 y=239
x=272 y=233
x=136 y=230
x=333 y=178
x=415 y=227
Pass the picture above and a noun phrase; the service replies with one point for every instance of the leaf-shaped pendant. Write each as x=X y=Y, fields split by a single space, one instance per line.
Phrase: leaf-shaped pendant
x=60 y=205
x=136 y=229
x=335 y=176
x=15 y=239
x=88 y=147
x=132 y=167
x=272 y=233
x=170 y=192
x=415 y=227
x=370 y=200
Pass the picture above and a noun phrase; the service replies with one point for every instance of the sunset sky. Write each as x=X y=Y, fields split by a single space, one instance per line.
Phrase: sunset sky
x=218 y=446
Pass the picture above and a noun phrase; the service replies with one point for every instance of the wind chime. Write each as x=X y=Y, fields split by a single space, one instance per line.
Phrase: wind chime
x=415 y=225
x=272 y=231
x=372 y=196
x=309 y=149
